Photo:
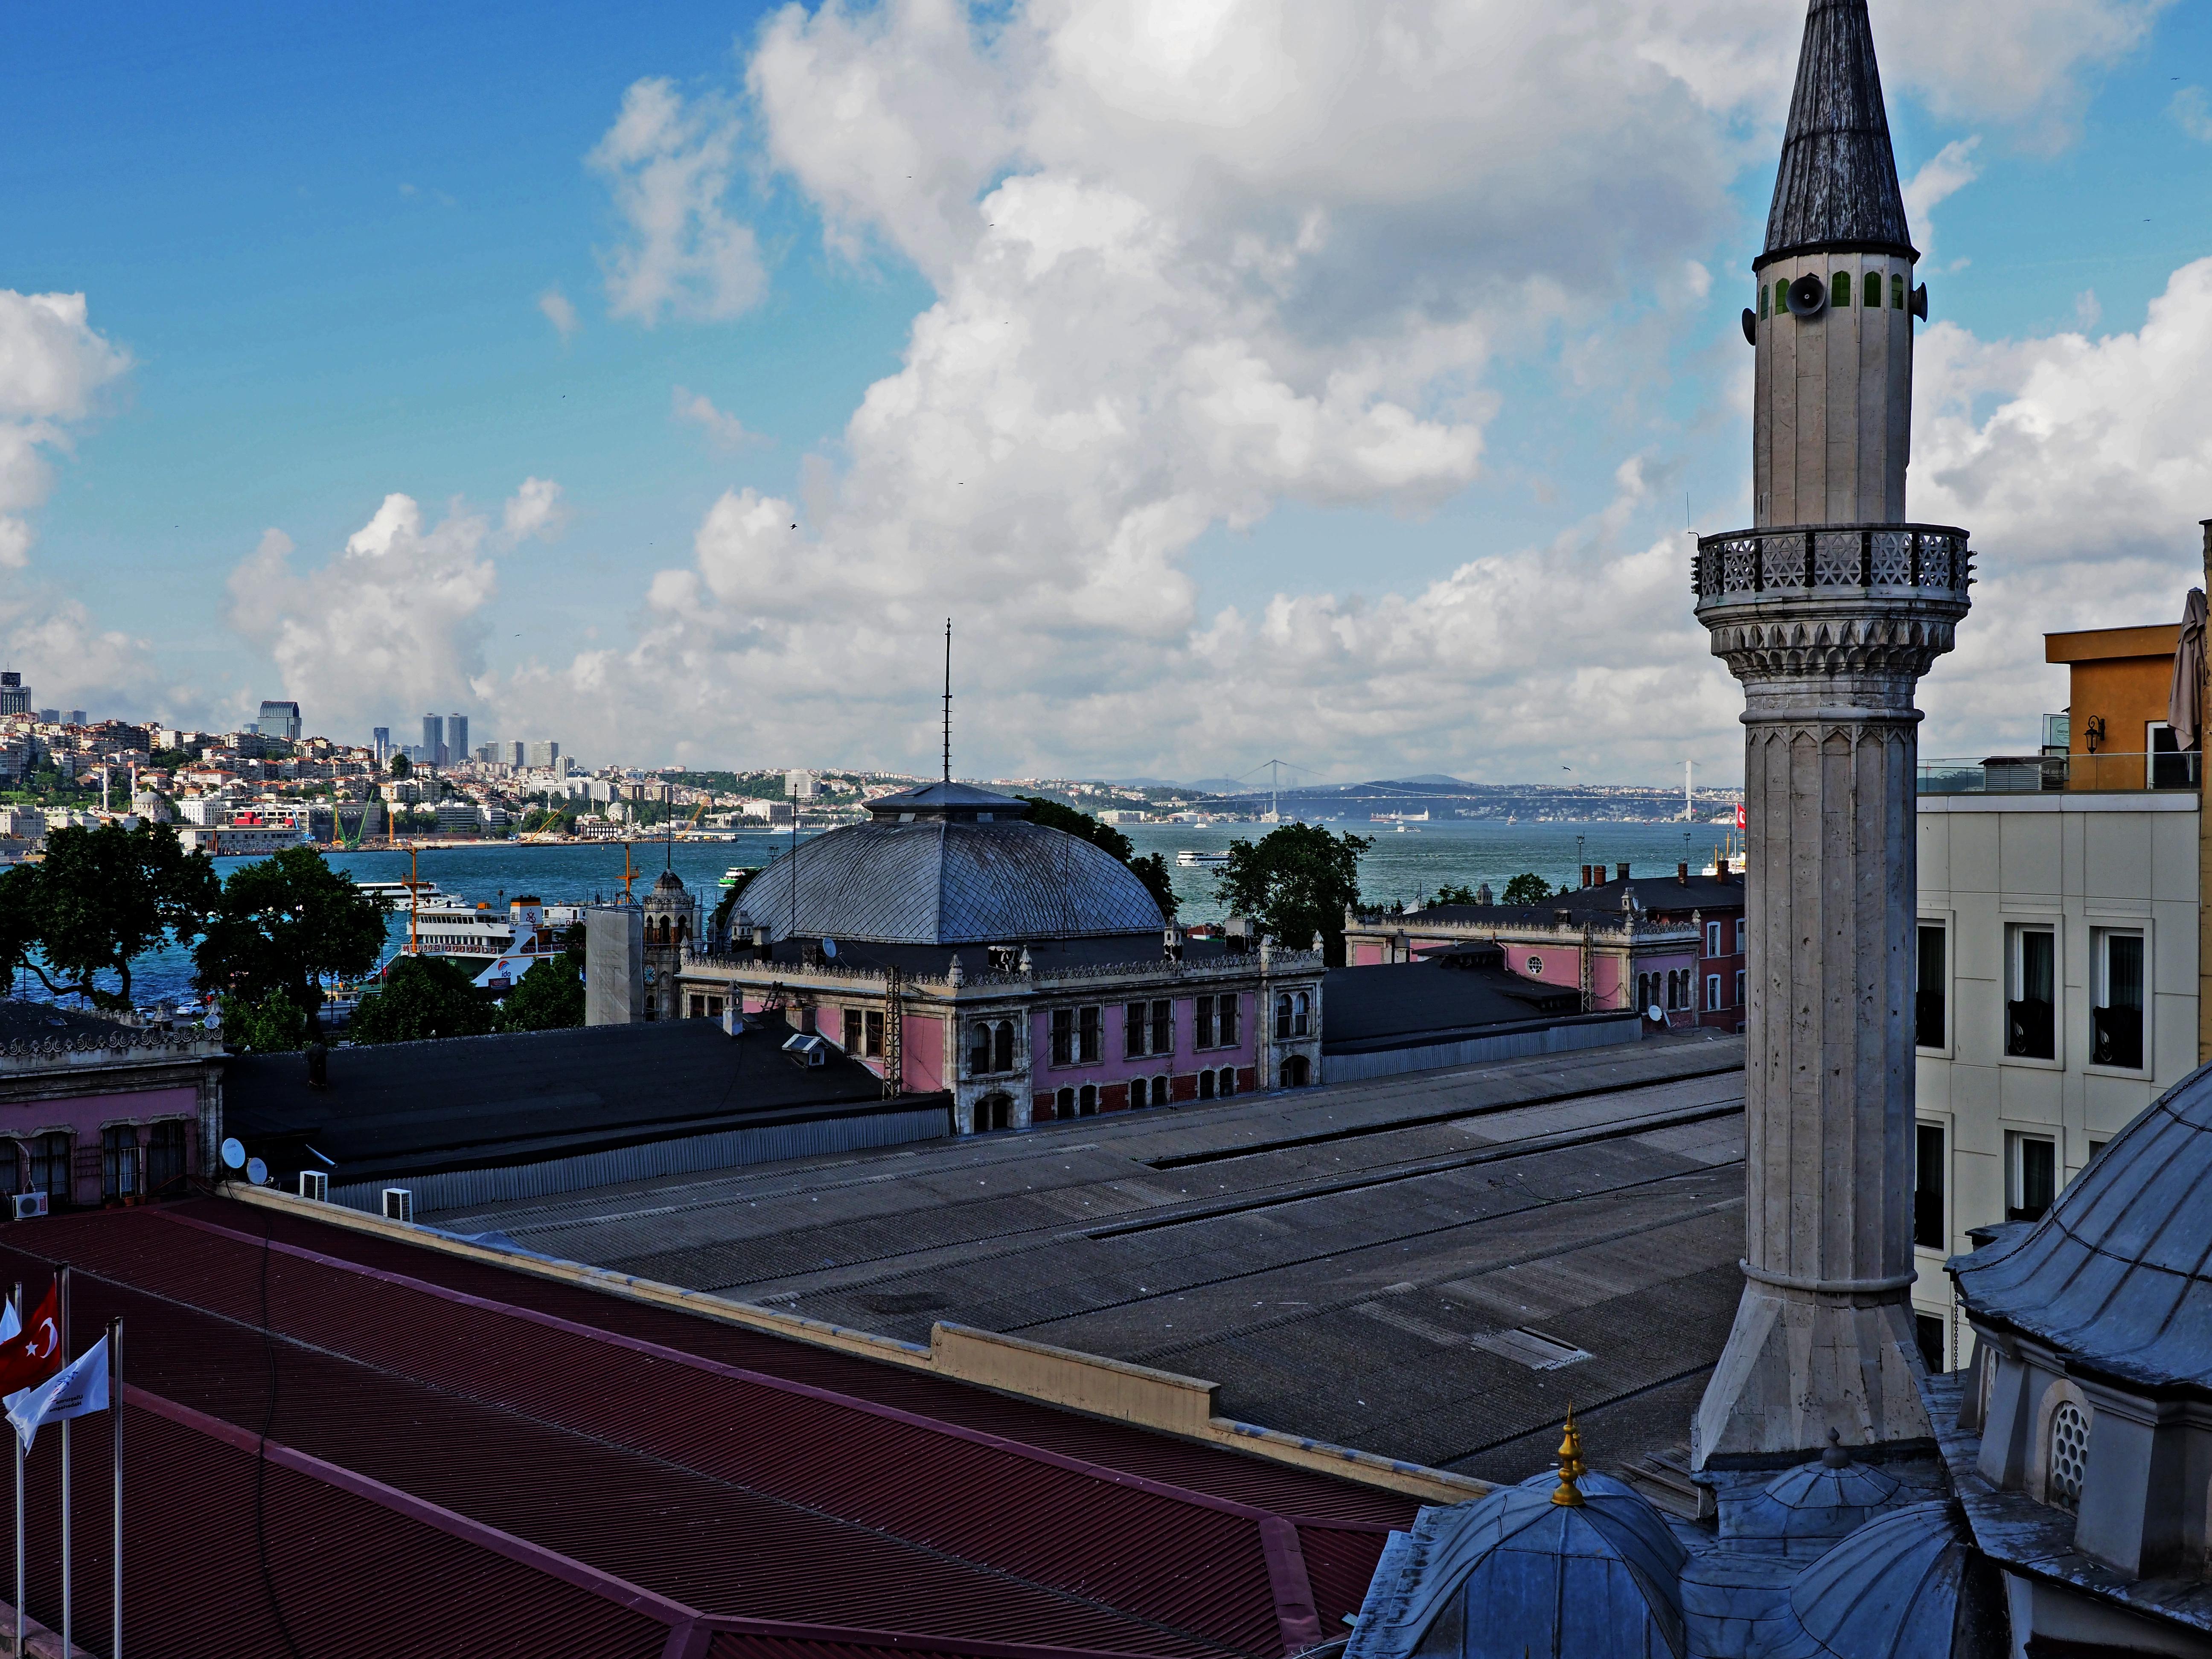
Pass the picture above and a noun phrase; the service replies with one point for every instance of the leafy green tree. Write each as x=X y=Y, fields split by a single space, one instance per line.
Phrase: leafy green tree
x=1528 y=888
x=281 y=924
x=1151 y=869
x=1296 y=881
x=421 y=998
x=402 y=767
x=719 y=923
x=550 y=997
x=101 y=897
x=1454 y=893
x=270 y=1025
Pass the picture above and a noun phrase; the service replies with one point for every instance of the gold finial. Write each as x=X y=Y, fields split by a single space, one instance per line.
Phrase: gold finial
x=1571 y=1466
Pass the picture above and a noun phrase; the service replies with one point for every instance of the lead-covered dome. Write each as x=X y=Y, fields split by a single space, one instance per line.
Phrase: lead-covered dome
x=1903 y=1587
x=949 y=864
x=2116 y=1271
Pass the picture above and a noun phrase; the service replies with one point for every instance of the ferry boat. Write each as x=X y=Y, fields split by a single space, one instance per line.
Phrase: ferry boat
x=1190 y=859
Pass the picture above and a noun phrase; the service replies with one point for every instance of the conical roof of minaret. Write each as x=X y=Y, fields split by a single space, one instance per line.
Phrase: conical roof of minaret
x=1838 y=187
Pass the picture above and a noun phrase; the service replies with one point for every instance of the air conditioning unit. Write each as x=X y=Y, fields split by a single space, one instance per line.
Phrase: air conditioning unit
x=398 y=1205
x=314 y=1184
x=27 y=1205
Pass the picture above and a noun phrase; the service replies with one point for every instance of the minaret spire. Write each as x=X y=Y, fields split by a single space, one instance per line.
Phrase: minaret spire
x=1838 y=186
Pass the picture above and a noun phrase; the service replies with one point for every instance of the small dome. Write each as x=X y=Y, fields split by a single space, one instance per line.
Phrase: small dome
x=2114 y=1272
x=669 y=882
x=1901 y=1587
x=1515 y=1573
x=1802 y=1510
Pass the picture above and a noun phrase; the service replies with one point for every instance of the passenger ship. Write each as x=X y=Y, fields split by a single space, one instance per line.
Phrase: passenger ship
x=478 y=937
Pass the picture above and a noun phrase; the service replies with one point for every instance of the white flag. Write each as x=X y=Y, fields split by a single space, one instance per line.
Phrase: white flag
x=76 y=1390
x=11 y=1322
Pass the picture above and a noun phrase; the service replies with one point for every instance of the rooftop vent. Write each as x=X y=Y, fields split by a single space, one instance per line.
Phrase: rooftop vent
x=398 y=1205
x=1538 y=1351
x=807 y=1049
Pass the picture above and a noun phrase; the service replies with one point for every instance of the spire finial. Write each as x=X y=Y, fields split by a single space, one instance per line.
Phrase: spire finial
x=948 y=700
x=1571 y=1466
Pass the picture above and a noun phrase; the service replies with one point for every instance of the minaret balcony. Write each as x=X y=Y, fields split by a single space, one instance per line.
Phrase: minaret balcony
x=1928 y=561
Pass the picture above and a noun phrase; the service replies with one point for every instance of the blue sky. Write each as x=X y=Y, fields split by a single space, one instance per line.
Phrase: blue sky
x=324 y=238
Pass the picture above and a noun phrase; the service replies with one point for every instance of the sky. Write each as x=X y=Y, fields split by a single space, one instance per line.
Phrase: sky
x=1329 y=380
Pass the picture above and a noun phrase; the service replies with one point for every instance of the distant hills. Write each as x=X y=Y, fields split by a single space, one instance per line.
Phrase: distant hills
x=1445 y=796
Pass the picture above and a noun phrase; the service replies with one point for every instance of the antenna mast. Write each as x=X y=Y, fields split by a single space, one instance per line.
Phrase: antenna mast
x=948 y=700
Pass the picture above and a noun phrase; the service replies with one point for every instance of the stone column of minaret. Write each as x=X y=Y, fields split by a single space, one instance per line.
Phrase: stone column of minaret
x=1829 y=610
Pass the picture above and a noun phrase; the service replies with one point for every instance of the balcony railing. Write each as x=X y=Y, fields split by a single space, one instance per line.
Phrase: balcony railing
x=1800 y=558
x=2031 y=774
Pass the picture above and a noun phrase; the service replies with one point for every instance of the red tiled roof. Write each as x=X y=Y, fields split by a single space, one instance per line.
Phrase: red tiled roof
x=674 y=1473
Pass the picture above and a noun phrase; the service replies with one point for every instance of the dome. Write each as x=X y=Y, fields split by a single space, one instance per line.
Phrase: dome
x=1515 y=1574
x=1802 y=1510
x=2114 y=1272
x=1901 y=1587
x=949 y=873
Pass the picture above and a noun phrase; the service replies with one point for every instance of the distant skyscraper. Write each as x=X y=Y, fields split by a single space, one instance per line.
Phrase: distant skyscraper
x=279 y=720
x=380 y=738
x=15 y=696
x=433 y=739
x=544 y=755
x=76 y=717
x=515 y=753
x=457 y=737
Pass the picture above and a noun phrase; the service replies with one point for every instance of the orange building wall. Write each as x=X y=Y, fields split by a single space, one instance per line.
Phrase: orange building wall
x=2123 y=674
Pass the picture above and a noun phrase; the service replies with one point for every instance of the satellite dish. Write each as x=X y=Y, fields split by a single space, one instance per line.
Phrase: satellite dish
x=830 y=949
x=1655 y=1015
x=257 y=1171
x=1808 y=295
x=233 y=1154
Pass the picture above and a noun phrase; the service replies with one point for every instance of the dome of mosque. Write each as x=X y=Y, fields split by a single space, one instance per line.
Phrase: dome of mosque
x=2115 y=1271
x=1516 y=1574
x=1901 y=1587
x=948 y=864
x=1804 y=1510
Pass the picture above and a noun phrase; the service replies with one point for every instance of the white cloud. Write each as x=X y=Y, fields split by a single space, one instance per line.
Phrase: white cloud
x=2030 y=63
x=2083 y=467
x=560 y=313
x=395 y=619
x=54 y=370
x=724 y=430
x=668 y=166
x=2194 y=112
x=1942 y=176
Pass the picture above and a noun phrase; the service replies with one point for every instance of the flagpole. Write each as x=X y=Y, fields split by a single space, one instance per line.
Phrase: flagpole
x=16 y=1440
x=115 y=1411
x=64 y=1276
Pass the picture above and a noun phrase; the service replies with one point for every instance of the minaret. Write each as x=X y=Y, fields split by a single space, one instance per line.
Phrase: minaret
x=1829 y=610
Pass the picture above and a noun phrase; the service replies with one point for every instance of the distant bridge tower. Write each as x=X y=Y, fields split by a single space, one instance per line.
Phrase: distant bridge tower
x=1829 y=610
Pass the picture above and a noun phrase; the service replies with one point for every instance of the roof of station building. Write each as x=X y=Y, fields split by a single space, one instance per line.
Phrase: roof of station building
x=2118 y=1274
x=947 y=871
x=1602 y=902
x=1838 y=185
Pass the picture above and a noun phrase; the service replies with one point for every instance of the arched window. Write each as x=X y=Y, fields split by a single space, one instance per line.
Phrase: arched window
x=1205 y=1085
x=1228 y=1081
x=1063 y=1104
x=1873 y=290
x=1301 y=1013
x=979 y=1048
x=1002 y=1047
x=1896 y=291
x=1086 y=1102
x=1765 y=290
x=2070 y=1457
x=165 y=1156
x=1282 y=1015
x=1137 y=1093
x=1839 y=290
x=49 y=1166
x=1295 y=1071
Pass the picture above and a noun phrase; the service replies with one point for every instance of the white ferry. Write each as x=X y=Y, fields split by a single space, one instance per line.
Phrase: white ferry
x=1190 y=859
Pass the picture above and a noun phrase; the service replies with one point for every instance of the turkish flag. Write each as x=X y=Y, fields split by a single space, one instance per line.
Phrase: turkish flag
x=35 y=1354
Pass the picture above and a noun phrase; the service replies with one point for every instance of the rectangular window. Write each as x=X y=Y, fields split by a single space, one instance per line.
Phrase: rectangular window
x=2171 y=767
x=1063 y=1036
x=165 y=1156
x=1712 y=994
x=1712 y=938
x=1927 y=1328
x=1927 y=985
x=1132 y=1030
x=2116 y=1013
x=1087 y=1022
x=875 y=1036
x=1164 y=1027
x=1742 y=935
x=852 y=1030
x=2031 y=1179
x=1739 y=987
x=2031 y=1005
x=1928 y=1172
x=118 y=1162
x=979 y=1048
x=1225 y=1017
x=1201 y=1023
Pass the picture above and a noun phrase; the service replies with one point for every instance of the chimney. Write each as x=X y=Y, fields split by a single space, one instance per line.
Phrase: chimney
x=1682 y=873
x=760 y=942
x=1623 y=868
x=1721 y=867
x=1586 y=875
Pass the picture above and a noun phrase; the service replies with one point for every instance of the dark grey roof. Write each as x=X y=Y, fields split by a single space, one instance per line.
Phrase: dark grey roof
x=1838 y=185
x=472 y=1103
x=1655 y=896
x=948 y=881
x=1901 y=1587
x=1363 y=1007
x=1803 y=1511
x=961 y=802
x=2119 y=1273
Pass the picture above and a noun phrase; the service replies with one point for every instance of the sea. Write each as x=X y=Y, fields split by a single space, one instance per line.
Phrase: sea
x=1400 y=864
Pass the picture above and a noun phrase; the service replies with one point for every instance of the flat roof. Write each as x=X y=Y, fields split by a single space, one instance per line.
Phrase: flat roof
x=2102 y=644
x=1349 y=1262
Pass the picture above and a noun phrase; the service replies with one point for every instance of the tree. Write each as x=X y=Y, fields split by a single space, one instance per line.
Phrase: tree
x=550 y=997
x=1296 y=881
x=421 y=998
x=101 y=897
x=1454 y=893
x=270 y=1025
x=1528 y=888
x=283 y=922
x=401 y=766
x=718 y=925
x=1152 y=870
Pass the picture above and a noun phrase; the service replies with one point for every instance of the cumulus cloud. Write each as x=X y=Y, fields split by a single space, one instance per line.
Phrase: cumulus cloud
x=395 y=619
x=668 y=165
x=54 y=370
x=559 y=312
x=1942 y=176
x=2031 y=64
x=724 y=430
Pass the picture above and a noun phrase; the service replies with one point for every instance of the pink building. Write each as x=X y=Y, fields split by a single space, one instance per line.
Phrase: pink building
x=94 y=1111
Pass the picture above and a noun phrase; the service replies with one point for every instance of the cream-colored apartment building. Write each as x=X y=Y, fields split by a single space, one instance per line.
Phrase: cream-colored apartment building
x=2058 y=950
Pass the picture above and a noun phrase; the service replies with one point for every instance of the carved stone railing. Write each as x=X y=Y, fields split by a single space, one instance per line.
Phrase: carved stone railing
x=122 y=1044
x=1608 y=925
x=1805 y=558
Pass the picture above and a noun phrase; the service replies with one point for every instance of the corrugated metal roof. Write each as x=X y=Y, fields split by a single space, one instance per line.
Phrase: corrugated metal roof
x=723 y=1489
x=941 y=883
